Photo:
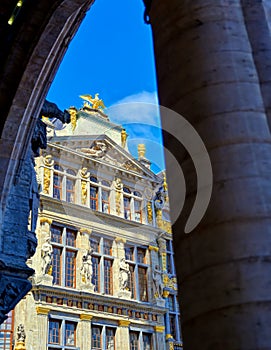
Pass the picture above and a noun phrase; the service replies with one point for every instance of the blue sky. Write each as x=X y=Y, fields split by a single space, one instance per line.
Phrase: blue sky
x=112 y=54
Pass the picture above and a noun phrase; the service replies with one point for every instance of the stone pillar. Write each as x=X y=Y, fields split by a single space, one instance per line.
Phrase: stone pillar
x=42 y=322
x=160 y=337
x=223 y=264
x=84 y=340
x=122 y=335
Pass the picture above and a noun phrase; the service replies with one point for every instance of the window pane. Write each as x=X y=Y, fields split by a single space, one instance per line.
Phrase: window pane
x=70 y=238
x=57 y=186
x=134 y=343
x=70 y=268
x=147 y=344
x=96 y=339
x=70 y=328
x=107 y=247
x=137 y=206
x=56 y=234
x=95 y=244
x=6 y=333
x=70 y=185
x=172 y=324
x=126 y=190
x=93 y=197
x=54 y=332
x=58 y=167
x=108 y=276
x=105 y=201
x=131 y=281
x=105 y=183
x=56 y=265
x=110 y=338
x=141 y=254
x=71 y=172
x=95 y=274
x=142 y=283
x=129 y=253
x=93 y=179
x=169 y=264
x=171 y=303
x=138 y=194
x=127 y=211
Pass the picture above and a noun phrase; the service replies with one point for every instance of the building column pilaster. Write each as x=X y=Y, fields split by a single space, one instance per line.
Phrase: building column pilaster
x=42 y=316
x=84 y=341
x=122 y=335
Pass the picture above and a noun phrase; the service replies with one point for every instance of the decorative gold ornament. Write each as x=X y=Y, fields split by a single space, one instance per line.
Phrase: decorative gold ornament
x=48 y=160
x=159 y=329
x=73 y=111
x=86 y=317
x=46 y=220
x=141 y=149
x=149 y=212
x=85 y=230
x=165 y=293
x=151 y=247
x=169 y=336
x=84 y=173
x=96 y=102
x=46 y=180
x=84 y=192
x=118 y=188
x=170 y=345
x=124 y=136
x=124 y=323
x=42 y=310
x=159 y=220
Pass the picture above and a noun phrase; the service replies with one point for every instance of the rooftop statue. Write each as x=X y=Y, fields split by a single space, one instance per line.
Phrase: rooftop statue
x=96 y=102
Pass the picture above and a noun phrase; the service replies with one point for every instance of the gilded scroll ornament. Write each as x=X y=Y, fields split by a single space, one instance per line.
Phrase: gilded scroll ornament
x=118 y=188
x=72 y=111
x=46 y=180
x=149 y=212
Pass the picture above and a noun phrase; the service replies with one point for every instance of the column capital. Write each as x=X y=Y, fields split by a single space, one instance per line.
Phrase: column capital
x=120 y=240
x=86 y=317
x=169 y=336
x=124 y=323
x=46 y=220
x=152 y=247
x=41 y=310
x=83 y=230
x=159 y=329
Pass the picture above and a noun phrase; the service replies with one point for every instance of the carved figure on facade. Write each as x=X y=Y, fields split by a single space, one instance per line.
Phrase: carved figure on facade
x=124 y=136
x=50 y=110
x=124 y=273
x=118 y=189
x=46 y=254
x=73 y=111
x=21 y=333
x=48 y=161
x=157 y=277
x=87 y=268
x=97 y=149
x=39 y=138
x=84 y=192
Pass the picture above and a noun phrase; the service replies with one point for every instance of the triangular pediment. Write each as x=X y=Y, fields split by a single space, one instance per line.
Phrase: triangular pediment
x=104 y=149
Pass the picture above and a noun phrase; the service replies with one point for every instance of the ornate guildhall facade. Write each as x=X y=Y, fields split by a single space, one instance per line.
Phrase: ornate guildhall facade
x=104 y=271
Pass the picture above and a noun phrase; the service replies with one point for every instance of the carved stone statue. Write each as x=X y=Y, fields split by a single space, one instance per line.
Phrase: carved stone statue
x=124 y=274
x=73 y=111
x=97 y=149
x=84 y=192
x=124 y=136
x=50 y=109
x=21 y=333
x=96 y=102
x=86 y=269
x=46 y=254
x=158 y=282
x=149 y=212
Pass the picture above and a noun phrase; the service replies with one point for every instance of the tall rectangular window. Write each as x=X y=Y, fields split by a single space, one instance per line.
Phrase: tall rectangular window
x=174 y=317
x=57 y=181
x=134 y=340
x=62 y=334
x=102 y=337
x=138 y=277
x=63 y=241
x=102 y=262
x=93 y=188
x=140 y=340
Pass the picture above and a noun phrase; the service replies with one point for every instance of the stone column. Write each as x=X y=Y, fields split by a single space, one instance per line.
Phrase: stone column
x=223 y=264
x=84 y=340
x=160 y=337
x=42 y=322
x=122 y=335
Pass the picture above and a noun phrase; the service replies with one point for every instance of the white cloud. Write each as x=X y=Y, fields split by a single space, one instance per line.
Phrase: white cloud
x=140 y=108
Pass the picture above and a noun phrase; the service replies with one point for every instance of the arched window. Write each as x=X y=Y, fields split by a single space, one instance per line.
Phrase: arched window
x=127 y=203
x=105 y=188
x=93 y=192
x=57 y=181
x=70 y=186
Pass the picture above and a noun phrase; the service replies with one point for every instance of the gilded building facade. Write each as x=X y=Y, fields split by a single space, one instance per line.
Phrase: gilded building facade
x=104 y=271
